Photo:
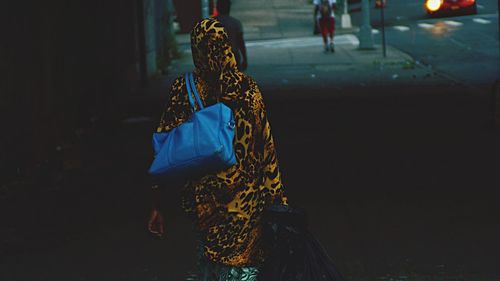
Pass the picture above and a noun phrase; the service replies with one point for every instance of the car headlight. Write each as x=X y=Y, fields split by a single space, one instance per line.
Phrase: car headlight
x=433 y=5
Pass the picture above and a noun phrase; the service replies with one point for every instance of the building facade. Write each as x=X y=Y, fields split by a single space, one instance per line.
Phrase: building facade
x=67 y=64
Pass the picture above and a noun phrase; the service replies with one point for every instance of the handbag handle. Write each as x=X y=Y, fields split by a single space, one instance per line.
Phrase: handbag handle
x=195 y=91
x=191 y=88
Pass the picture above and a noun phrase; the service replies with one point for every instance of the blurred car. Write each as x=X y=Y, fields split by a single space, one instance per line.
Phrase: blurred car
x=439 y=7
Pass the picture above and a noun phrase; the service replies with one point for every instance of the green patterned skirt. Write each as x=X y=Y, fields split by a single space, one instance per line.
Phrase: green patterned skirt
x=217 y=272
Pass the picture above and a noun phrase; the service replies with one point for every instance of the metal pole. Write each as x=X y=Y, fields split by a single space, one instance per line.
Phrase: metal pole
x=382 y=8
x=345 y=19
x=205 y=13
x=365 y=32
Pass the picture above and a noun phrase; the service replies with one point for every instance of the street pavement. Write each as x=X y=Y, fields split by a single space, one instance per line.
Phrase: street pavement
x=395 y=159
x=442 y=42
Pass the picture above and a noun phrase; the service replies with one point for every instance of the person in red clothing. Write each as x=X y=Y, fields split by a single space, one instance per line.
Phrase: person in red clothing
x=325 y=18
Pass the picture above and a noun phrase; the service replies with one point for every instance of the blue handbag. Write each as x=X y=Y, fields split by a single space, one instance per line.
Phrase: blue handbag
x=202 y=144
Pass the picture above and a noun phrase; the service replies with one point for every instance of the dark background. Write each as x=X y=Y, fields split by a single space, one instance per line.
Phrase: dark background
x=400 y=179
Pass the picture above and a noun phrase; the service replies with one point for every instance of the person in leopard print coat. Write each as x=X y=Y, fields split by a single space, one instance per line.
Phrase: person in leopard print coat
x=227 y=206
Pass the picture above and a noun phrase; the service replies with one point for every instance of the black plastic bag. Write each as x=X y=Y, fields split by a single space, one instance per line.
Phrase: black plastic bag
x=292 y=252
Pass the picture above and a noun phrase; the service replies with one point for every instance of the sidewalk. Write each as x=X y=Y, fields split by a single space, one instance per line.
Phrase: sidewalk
x=279 y=32
x=282 y=52
x=275 y=19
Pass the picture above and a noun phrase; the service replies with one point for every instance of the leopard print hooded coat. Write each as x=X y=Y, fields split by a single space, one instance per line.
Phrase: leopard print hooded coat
x=227 y=206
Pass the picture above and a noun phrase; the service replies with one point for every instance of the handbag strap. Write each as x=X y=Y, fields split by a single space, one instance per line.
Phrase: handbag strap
x=191 y=88
x=195 y=91
x=189 y=91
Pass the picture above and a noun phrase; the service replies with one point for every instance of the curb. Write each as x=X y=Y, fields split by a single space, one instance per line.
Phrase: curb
x=184 y=38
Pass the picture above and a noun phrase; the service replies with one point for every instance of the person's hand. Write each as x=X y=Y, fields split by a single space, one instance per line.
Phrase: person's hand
x=156 y=225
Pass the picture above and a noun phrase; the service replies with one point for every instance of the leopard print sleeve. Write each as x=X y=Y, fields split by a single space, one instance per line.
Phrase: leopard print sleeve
x=272 y=176
x=177 y=109
x=272 y=182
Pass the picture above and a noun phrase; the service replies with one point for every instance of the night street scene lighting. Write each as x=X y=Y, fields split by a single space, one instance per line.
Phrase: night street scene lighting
x=385 y=139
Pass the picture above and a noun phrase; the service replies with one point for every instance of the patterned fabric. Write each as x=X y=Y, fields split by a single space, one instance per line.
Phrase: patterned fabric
x=225 y=273
x=218 y=272
x=227 y=206
x=211 y=271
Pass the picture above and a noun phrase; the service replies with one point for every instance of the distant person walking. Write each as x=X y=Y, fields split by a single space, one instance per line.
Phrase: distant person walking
x=234 y=29
x=325 y=20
